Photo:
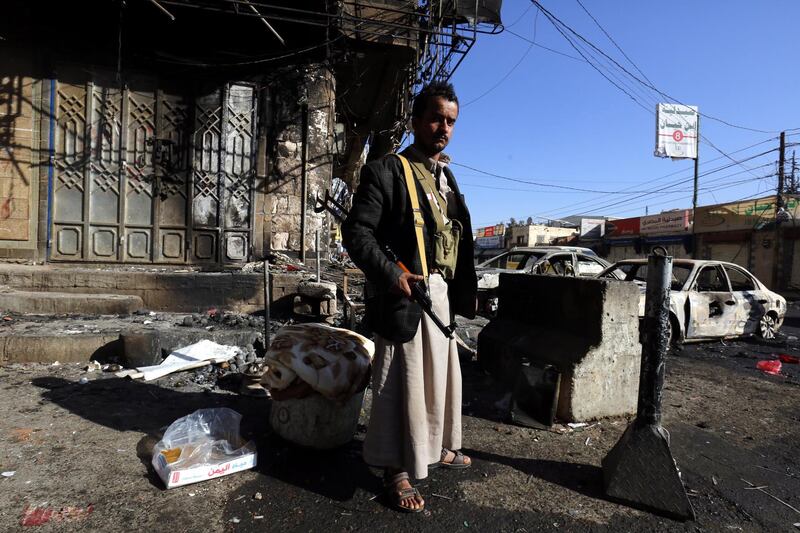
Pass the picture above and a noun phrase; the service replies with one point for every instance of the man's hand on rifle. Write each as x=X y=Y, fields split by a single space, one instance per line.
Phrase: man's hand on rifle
x=404 y=283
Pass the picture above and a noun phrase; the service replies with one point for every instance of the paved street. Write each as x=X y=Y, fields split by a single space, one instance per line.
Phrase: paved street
x=82 y=451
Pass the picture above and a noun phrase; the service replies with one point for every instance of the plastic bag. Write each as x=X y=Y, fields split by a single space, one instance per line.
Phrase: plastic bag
x=770 y=367
x=205 y=438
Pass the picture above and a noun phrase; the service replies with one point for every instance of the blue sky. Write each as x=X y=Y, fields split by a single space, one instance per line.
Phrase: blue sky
x=556 y=120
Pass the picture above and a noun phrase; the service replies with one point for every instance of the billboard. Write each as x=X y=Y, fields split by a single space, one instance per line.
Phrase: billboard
x=676 y=131
x=743 y=215
x=592 y=228
x=495 y=241
x=622 y=227
x=670 y=222
x=491 y=231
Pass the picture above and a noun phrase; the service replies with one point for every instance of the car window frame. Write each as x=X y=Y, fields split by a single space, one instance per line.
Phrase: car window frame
x=576 y=257
x=719 y=270
x=741 y=270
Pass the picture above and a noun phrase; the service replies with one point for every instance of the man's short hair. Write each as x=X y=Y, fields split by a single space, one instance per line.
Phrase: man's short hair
x=433 y=89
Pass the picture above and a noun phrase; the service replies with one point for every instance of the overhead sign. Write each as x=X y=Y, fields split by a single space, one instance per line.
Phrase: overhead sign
x=663 y=223
x=592 y=228
x=676 y=131
x=622 y=227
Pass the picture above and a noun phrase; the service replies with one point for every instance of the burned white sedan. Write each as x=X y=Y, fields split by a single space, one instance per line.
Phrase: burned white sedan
x=710 y=299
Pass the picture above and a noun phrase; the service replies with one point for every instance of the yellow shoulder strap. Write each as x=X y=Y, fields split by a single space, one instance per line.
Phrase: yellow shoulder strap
x=419 y=221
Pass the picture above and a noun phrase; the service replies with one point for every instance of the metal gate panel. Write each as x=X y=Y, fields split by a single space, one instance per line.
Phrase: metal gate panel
x=238 y=171
x=105 y=173
x=143 y=175
x=71 y=138
x=140 y=126
x=206 y=191
x=172 y=206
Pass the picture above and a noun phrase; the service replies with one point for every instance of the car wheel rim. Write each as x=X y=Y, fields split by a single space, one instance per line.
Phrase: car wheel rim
x=768 y=327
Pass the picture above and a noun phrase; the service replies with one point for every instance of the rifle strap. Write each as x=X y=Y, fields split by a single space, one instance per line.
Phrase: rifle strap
x=419 y=221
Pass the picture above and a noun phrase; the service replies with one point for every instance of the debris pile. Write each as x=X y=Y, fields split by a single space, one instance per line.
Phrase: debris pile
x=278 y=262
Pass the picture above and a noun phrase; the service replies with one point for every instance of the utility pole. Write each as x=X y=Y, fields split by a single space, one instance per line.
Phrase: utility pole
x=781 y=164
x=777 y=271
x=694 y=193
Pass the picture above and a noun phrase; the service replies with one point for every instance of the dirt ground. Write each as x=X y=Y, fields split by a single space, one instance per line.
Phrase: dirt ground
x=80 y=457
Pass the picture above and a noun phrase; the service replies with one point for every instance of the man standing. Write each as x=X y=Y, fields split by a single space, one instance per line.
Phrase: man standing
x=416 y=381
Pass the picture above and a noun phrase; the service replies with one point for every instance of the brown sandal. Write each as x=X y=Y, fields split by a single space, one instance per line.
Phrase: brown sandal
x=396 y=496
x=458 y=462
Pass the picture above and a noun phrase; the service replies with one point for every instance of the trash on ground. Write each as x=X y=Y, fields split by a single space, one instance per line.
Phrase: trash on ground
x=331 y=361
x=84 y=380
x=203 y=445
x=576 y=425
x=93 y=366
x=10 y=473
x=202 y=353
x=770 y=367
x=789 y=359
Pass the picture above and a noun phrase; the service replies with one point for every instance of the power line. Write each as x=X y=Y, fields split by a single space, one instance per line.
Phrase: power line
x=613 y=41
x=579 y=189
x=517 y=64
x=652 y=180
x=543 y=47
x=556 y=21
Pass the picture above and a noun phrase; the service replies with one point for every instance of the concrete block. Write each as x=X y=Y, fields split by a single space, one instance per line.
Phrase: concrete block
x=141 y=348
x=588 y=329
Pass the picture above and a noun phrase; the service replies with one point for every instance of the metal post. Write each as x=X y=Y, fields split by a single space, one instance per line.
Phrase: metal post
x=316 y=247
x=266 y=306
x=640 y=468
x=304 y=184
x=656 y=339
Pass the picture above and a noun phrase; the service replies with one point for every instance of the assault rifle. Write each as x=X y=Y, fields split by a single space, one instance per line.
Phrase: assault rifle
x=419 y=292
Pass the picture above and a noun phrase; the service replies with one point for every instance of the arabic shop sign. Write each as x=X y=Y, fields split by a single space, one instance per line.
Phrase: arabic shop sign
x=495 y=241
x=622 y=227
x=670 y=222
x=744 y=215
x=676 y=131
x=491 y=231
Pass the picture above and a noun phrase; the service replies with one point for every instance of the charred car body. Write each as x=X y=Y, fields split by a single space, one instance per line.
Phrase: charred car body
x=544 y=260
x=710 y=299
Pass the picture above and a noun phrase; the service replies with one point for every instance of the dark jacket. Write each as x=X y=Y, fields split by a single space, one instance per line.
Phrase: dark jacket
x=381 y=215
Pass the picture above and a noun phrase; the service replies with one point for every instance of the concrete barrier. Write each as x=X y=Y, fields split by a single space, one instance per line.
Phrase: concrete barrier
x=588 y=329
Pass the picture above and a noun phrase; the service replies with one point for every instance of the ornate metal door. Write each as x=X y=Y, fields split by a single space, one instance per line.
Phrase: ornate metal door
x=149 y=175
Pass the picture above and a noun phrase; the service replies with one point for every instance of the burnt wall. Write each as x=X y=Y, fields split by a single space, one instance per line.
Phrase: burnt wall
x=289 y=94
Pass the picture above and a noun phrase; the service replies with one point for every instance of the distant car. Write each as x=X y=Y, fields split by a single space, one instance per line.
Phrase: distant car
x=710 y=299
x=546 y=260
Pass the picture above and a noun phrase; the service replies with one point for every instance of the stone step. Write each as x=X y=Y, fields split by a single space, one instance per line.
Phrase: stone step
x=60 y=303
x=48 y=345
x=167 y=290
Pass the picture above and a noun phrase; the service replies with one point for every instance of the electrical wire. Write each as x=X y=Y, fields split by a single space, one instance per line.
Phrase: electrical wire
x=613 y=41
x=653 y=180
x=556 y=22
x=517 y=64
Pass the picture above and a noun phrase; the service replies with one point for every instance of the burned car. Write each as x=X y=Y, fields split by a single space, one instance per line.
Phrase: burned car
x=545 y=260
x=710 y=299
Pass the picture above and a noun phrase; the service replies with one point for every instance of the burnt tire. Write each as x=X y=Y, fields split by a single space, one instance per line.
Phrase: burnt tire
x=768 y=326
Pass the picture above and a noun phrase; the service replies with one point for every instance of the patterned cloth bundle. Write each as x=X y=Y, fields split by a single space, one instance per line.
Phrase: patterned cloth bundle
x=332 y=361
